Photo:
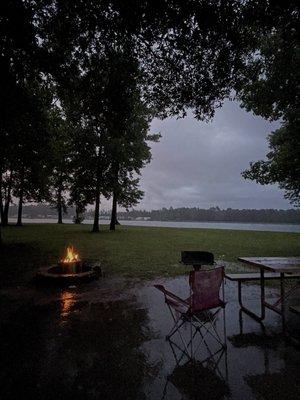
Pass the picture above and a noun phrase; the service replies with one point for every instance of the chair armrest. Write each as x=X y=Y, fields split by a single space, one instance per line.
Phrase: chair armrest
x=170 y=294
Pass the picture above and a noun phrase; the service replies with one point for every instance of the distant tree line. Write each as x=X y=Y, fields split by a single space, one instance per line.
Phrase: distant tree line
x=40 y=211
x=193 y=214
x=216 y=214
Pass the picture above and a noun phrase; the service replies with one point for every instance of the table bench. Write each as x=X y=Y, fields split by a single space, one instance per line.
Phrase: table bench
x=250 y=277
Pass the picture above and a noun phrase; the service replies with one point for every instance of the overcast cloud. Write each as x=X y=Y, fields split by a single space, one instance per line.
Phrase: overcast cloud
x=199 y=164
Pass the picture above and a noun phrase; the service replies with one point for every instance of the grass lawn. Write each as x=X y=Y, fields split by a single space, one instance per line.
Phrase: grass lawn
x=142 y=252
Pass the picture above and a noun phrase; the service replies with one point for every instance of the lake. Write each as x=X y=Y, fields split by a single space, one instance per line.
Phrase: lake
x=197 y=225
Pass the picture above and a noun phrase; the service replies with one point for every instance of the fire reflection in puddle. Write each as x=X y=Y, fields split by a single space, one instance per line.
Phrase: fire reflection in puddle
x=67 y=300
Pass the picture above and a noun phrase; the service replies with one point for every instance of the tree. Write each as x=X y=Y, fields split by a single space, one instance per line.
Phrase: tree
x=127 y=120
x=127 y=195
x=6 y=179
x=283 y=162
x=111 y=124
x=268 y=83
x=269 y=87
x=30 y=150
x=104 y=57
x=59 y=161
x=21 y=102
x=171 y=57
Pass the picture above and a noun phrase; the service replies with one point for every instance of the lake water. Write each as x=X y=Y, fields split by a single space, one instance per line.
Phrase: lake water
x=197 y=225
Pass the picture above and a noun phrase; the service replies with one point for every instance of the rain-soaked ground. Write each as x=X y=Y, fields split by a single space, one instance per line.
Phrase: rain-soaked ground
x=106 y=340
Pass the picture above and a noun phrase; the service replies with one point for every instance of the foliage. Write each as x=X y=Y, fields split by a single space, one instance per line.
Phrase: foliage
x=189 y=54
x=92 y=75
x=268 y=83
x=59 y=161
x=283 y=162
x=24 y=104
x=270 y=87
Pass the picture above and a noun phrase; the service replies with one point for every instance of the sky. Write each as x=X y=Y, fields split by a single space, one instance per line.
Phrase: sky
x=199 y=164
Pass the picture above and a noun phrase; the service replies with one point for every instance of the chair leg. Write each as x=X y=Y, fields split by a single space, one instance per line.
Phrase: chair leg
x=224 y=328
x=216 y=336
x=212 y=321
x=191 y=332
x=224 y=315
x=174 y=329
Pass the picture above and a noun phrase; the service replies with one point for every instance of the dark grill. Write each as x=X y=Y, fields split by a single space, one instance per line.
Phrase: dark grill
x=197 y=258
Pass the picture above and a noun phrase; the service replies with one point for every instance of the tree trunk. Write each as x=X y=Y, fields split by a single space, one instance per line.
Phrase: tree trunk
x=59 y=207
x=113 y=220
x=20 y=208
x=1 y=212
x=7 y=203
x=21 y=194
x=78 y=218
x=1 y=209
x=97 y=195
x=1 y=200
x=76 y=215
x=97 y=210
x=5 y=214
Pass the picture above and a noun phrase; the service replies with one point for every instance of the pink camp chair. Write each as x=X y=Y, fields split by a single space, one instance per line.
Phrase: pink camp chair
x=200 y=308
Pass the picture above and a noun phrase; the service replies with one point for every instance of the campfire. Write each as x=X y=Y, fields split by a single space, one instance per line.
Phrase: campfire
x=71 y=268
x=71 y=262
x=71 y=255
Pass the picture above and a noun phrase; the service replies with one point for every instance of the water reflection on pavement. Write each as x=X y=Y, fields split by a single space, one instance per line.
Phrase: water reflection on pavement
x=106 y=340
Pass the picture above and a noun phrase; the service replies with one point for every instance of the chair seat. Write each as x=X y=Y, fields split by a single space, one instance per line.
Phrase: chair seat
x=219 y=303
x=184 y=306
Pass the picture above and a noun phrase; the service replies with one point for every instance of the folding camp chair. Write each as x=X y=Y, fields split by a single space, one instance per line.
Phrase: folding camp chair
x=200 y=309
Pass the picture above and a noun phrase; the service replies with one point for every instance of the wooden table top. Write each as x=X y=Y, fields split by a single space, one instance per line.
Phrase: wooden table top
x=275 y=264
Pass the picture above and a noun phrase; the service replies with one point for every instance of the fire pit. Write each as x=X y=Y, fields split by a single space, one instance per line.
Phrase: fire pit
x=70 y=269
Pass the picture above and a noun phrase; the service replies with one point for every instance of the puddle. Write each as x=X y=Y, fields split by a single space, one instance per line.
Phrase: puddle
x=106 y=340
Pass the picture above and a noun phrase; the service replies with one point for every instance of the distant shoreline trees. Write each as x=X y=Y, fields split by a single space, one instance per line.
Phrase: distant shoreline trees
x=187 y=214
x=215 y=214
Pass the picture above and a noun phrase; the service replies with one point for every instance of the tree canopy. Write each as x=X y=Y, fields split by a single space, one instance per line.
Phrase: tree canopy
x=270 y=87
x=282 y=165
x=109 y=67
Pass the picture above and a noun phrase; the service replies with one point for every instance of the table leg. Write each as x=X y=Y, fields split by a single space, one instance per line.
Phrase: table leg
x=262 y=293
x=246 y=310
x=282 y=294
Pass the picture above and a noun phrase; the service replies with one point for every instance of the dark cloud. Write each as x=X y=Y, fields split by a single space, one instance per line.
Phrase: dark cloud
x=199 y=164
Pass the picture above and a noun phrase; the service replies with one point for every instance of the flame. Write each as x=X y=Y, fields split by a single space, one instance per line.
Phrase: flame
x=71 y=255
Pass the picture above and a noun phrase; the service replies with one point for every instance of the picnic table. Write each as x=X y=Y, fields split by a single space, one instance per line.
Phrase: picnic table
x=285 y=267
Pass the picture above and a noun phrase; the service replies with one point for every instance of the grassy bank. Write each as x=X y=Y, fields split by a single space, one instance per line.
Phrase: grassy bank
x=132 y=251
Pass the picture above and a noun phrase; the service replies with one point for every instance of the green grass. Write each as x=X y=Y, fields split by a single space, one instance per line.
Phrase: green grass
x=142 y=252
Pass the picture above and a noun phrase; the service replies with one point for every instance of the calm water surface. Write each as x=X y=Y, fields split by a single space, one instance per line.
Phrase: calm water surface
x=200 y=225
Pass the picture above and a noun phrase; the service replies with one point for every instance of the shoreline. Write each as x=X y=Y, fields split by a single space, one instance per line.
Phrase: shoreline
x=244 y=226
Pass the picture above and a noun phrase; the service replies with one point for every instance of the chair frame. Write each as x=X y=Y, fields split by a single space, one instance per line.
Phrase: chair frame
x=194 y=318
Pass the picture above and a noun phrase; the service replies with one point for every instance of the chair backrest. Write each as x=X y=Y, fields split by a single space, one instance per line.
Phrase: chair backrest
x=205 y=287
x=197 y=258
